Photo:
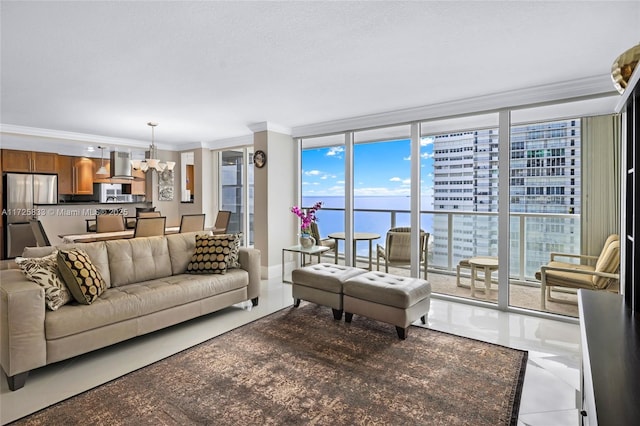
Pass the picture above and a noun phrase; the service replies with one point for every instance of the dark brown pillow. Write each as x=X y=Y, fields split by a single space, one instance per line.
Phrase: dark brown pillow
x=211 y=254
x=82 y=278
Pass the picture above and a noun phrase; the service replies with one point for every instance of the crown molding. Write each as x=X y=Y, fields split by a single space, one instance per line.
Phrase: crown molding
x=71 y=136
x=270 y=127
x=234 y=142
x=514 y=99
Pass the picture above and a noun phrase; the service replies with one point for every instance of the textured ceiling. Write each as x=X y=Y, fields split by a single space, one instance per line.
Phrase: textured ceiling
x=207 y=70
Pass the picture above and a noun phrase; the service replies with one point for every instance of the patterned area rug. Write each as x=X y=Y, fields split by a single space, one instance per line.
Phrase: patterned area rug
x=299 y=366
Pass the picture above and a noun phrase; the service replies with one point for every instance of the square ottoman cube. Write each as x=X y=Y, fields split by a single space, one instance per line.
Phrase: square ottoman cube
x=388 y=298
x=322 y=284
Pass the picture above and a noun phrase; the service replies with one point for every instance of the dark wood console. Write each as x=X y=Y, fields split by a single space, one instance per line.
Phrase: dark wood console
x=610 y=334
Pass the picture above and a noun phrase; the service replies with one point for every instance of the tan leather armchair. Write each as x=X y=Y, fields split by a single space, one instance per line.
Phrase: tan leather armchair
x=600 y=276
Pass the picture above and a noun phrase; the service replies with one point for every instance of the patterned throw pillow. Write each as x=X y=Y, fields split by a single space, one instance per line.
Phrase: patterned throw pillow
x=235 y=247
x=79 y=274
x=44 y=272
x=211 y=254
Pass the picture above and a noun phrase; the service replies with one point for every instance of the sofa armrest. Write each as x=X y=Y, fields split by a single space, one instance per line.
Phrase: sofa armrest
x=249 y=259
x=23 y=346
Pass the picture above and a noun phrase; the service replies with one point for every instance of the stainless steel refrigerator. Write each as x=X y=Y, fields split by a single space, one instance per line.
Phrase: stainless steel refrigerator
x=24 y=195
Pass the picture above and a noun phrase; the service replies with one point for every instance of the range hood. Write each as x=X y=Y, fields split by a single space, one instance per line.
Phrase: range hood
x=120 y=165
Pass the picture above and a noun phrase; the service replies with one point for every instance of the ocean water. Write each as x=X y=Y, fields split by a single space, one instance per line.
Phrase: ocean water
x=378 y=222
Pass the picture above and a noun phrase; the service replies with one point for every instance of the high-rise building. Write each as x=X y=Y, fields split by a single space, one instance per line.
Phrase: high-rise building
x=544 y=178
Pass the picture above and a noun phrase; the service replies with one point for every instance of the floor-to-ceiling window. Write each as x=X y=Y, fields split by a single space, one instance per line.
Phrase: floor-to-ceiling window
x=525 y=161
x=381 y=186
x=464 y=177
x=236 y=190
x=323 y=179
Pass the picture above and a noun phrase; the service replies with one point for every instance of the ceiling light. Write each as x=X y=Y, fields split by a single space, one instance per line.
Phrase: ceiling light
x=102 y=170
x=152 y=163
x=623 y=67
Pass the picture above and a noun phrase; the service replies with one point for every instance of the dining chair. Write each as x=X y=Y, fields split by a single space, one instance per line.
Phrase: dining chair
x=397 y=249
x=192 y=222
x=149 y=214
x=109 y=223
x=144 y=210
x=222 y=222
x=38 y=232
x=150 y=226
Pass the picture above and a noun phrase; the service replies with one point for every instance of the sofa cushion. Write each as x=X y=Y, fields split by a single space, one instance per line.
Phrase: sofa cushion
x=97 y=251
x=44 y=272
x=82 y=278
x=131 y=301
x=211 y=254
x=136 y=260
x=181 y=248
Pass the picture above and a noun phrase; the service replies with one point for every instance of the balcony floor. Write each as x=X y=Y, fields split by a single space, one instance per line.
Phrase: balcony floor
x=521 y=296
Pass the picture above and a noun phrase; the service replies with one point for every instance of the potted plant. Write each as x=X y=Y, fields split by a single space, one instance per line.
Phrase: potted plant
x=307 y=218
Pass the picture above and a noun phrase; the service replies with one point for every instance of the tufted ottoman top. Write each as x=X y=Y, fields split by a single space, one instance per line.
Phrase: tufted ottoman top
x=387 y=289
x=324 y=276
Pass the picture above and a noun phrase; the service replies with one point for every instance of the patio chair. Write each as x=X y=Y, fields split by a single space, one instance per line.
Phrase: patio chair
x=222 y=222
x=192 y=222
x=397 y=249
x=109 y=223
x=600 y=276
x=324 y=242
x=150 y=226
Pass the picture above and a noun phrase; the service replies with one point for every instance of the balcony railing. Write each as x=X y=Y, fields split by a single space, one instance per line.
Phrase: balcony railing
x=457 y=235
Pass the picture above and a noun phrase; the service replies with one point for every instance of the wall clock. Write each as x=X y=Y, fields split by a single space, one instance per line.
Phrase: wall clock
x=259 y=159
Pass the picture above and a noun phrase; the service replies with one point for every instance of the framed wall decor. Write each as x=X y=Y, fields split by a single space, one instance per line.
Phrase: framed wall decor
x=259 y=159
x=165 y=185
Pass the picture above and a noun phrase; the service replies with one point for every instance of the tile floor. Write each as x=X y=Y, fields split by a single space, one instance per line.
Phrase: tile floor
x=550 y=395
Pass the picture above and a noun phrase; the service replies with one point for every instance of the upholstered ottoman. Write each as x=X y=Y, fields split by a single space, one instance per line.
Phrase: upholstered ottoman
x=388 y=298
x=322 y=284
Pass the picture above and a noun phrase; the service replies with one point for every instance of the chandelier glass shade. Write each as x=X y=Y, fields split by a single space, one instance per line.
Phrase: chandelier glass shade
x=152 y=163
x=102 y=170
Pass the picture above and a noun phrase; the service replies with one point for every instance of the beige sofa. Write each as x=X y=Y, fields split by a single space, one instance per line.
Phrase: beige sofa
x=147 y=290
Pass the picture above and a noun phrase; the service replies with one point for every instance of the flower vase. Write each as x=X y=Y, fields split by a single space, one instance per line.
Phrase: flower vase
x=307 y=241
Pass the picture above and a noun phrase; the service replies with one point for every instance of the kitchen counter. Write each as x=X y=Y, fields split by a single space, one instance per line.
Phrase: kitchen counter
x=93 y=203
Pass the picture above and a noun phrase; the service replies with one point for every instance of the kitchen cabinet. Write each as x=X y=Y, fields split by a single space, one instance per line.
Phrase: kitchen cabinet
x=139 y=187
x=28 y=161
x=75 y=175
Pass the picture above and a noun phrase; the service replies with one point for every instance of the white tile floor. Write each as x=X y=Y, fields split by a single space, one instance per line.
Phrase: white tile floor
x=550 y=395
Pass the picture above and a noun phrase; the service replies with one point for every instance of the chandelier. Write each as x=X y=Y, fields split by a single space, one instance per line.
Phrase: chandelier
x=152 y=163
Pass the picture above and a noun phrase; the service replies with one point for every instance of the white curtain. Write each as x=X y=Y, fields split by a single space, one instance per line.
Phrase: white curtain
x=601 y=158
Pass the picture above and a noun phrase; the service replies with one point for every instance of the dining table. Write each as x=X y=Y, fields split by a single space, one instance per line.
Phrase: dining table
x=90 y=237
x=357 y=236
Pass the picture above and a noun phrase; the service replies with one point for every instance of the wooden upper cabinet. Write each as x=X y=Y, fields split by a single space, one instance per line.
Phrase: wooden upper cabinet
x=28 y=161
x=75 y=175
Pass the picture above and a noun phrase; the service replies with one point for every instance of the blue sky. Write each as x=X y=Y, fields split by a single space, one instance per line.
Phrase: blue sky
x=380 y=169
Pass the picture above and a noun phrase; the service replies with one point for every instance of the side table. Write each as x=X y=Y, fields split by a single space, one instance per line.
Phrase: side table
x=488 y=265
x=312 y=251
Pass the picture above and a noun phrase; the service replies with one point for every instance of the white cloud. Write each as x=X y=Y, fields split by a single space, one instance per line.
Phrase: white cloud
x=395 y=179
x=313 y=173
x=424 y=141
x=406 y=181
x=426 y=155
x=335 y=151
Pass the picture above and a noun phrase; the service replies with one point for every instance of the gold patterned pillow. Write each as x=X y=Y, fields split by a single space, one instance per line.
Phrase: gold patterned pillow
x=79 y=274
x=44 y=272
x=211 y=254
